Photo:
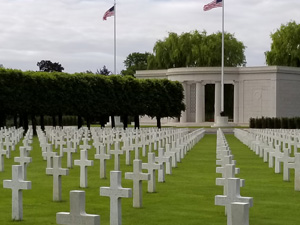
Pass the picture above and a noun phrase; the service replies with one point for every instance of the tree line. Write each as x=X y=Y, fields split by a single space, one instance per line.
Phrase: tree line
x=26 y=95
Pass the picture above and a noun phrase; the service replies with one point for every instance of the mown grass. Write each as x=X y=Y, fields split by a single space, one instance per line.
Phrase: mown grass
x=186 y=198
x=275 y=201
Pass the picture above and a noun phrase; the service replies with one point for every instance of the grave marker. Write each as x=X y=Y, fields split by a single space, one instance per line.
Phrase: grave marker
x=17 y=184
x=57 y=172
x=83 y=163
x=24 y=160
x=77 y=214
x=151 y=166
x=137 y=176
x=102 y=156
x=115 y=192
x=117 y=152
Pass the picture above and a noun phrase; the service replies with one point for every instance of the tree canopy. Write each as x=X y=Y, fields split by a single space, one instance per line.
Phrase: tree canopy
x=48 y=66
x=104 y=71
x=285 y=47
x=86 y=95
x=135 y=61
x=195 y=49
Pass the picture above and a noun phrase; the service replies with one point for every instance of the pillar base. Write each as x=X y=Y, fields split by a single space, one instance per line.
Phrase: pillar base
x=221 y=121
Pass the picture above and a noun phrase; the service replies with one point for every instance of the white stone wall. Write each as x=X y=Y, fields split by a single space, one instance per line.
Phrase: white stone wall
x=258 y=99
x=288 y=97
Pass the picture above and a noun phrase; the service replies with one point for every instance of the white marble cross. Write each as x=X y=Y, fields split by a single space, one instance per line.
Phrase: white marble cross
x=239 y=214
x=17 y=184
x=83 y=163
x=137 y=176
x=296 y=166
x=229 y=172
x=171 y=154
x=2 y=153
x=49 y=154
x=77 y=214
x=233 y=195
x=61 y=142
x=117 y=152
x=69 y=150
x=24 y=160
x=8 y=146
x=151 y=166
x=127 y=148
x=285 y=159
x=164 y=161
x=102 y=156
x=57 y=172
x=115 y=192
x=85 y=145
x=276 y=154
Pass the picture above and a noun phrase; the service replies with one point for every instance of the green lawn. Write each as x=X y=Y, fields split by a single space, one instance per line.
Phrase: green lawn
x=186 y=198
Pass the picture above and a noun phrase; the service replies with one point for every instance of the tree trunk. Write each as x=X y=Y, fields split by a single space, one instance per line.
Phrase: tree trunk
x=137 y=122
x=60 y=120
x=33 y=121
x=2 y=120
x=42 y=122
x=113 y=121
x=158 y=122
x=54 y=121
x=88 y=122
x=16 y=120
x=21 y=121
x=102 y=121
x=25 y=121
x=79 y=122
x=125 y=122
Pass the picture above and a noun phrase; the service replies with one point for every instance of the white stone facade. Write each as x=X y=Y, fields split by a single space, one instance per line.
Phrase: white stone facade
x=270 y=91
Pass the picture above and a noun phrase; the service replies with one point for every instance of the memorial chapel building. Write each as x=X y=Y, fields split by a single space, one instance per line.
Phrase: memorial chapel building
x=267 y=91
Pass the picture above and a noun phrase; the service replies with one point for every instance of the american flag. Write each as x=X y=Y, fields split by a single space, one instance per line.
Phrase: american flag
x=108 y=13
x=213 y=4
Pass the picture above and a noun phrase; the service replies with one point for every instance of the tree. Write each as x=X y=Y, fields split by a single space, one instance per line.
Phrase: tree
x=135 y=61
x=196 y=49
x=285 y=48
x=48 y=66
x=1 y=66
x=103 y=71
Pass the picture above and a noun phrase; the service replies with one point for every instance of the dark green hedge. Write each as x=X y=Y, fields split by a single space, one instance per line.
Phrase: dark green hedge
x=26 y=95
x=275 y=123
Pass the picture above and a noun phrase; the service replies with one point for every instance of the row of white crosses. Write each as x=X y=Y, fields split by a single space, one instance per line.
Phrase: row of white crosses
x=9 y=138
x=18 y=181
x=115 y=192
x=236 y=206
x=275 y=149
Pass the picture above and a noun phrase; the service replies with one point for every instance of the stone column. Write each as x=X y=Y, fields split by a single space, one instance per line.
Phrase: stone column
x=200 y=102
x=217 y=99
x=236 y=102
x=183 y=118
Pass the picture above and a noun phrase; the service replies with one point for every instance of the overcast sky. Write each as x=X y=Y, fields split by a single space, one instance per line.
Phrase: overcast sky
x=73 y=33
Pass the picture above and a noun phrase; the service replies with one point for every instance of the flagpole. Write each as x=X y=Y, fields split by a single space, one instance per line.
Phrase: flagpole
x=115 y=39
x=222 y=73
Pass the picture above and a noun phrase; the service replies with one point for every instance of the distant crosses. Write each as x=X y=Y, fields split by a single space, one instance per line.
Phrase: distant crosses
x=48 y=155
x=24 y=160
x=2 y=154
x=115 y=192
x=69 y=150
x=233 y=195
x=57 y=172
x=83 y=163
x=117 y=152
x=137 y=176
x=77 y=214
x=102 y=156
x=151 y=166
x=17 y=184
x=164 y=161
